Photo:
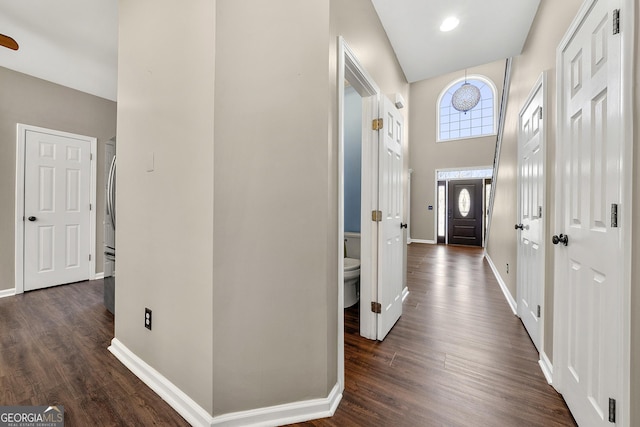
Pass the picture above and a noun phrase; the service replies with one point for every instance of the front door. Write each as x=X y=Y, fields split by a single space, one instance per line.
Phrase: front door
x=589 y=241
x=530 y=229
x=465 y=210
x=390 y=234
x=57 y=178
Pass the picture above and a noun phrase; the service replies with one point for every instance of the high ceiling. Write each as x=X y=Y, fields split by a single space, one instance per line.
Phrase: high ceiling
x=74 y=42
x=489 y=30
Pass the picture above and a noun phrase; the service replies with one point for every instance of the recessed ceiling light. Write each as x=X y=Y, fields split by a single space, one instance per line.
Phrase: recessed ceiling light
x=449 y=24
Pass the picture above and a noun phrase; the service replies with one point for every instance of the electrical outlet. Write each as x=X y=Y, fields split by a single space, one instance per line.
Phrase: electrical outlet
x=507 y=273
x=147 y=318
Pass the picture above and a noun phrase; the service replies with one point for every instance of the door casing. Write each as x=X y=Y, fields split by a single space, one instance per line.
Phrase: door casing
x=21 y=130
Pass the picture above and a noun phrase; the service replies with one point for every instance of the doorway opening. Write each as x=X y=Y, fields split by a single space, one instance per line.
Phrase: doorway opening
x=463 y=196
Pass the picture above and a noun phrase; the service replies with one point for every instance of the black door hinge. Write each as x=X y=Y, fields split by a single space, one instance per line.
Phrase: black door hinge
x=616 y=21
x=612 y=410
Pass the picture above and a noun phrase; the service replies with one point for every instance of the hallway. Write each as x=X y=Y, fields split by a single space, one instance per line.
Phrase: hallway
x=457 y=356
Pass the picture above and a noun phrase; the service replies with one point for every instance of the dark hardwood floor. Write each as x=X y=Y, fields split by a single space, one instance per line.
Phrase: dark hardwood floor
x=456 y=357
x=53 y=351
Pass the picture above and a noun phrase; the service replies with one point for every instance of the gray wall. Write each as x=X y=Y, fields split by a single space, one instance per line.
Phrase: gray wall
x=232 y=241
x=165 y=217
x=539 y=53
x=272 y=260
x=427 y=155
x=31 y=101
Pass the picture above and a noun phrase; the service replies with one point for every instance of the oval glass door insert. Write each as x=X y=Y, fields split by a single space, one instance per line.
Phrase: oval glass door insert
x=464 y=202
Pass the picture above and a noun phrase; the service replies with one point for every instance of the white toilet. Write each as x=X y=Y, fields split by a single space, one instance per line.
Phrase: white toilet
x=351 y=269
x=351 y=281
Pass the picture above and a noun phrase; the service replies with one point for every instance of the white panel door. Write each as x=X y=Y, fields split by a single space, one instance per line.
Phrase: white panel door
x=531 y=183
x=56 y=209
x=390 y=234
x=589 y=268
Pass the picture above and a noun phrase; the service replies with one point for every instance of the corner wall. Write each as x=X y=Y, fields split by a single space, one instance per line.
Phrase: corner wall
x=273 y=238
x=165 y=189
x=32 y=101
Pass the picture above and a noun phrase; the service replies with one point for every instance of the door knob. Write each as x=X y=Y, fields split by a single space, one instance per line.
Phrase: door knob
x=519 y=226
x=32 y=218
x=402 y=225
x=562 y=238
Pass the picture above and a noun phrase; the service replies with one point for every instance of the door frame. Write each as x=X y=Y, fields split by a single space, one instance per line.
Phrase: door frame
x=539 y=86
x=627 y=22
x=21 y=132
x=446 y=195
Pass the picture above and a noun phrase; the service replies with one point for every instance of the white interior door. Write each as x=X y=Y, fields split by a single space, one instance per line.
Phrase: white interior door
x=589 y=269
x=56 y=209
x=530 y=229
x=390 y=234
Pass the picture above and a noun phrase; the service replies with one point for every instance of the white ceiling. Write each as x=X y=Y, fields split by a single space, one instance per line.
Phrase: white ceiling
x=489 y=30
x=74 y=42
x=70 y=42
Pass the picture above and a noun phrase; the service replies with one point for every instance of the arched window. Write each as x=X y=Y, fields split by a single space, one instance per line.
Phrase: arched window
x=479 y=121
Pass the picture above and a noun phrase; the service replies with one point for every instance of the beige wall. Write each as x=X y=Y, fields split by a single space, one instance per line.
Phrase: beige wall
x=427 y=155
x=271 y=263
x=635 y=274
x=165 y=217
x=36 y=102
x=539 y=54
x=233 y=245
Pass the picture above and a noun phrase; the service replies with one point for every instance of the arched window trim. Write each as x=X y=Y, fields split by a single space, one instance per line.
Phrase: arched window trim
x=485 y=80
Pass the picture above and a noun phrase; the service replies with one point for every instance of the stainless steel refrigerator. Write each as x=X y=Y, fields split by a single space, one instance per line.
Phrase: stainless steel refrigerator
x=110 y=226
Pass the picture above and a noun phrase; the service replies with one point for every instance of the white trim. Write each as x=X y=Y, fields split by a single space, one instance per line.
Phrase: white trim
x=7 y=292
x=198 y=416
x=503 y=286
x=350 y=69
x=283 y=414
x=627 y=52
x=176 y=398
x=21 y=130
x=93 y=143
x=427 y=242
x=97 y=276
x=546 y=366
x=483 y=79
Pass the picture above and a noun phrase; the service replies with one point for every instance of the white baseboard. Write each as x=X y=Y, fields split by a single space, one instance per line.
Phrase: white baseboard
x=503 y=285
x=283 y=414
x=546 y=366
x=197 y=416
x=97 y=276
x=7 y=292
x=428 y=242
x=176 y=398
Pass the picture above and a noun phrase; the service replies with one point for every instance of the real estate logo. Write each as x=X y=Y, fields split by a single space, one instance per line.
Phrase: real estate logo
x=31 y=416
